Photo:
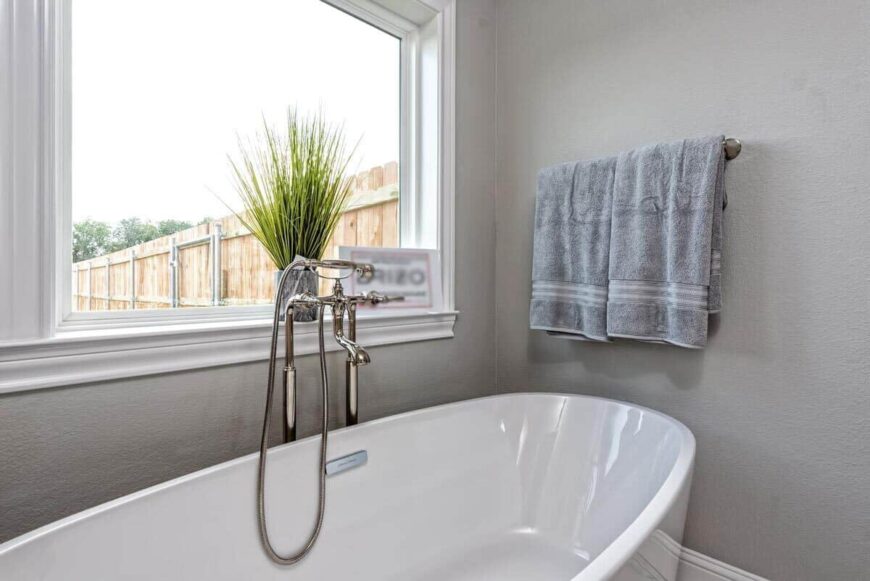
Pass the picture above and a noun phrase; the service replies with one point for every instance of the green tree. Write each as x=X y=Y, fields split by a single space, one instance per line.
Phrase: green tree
x=167 y=227
x=132 y=231
x=91 y=238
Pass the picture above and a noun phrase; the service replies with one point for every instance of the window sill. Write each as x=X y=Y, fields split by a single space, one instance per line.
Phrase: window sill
x=85 y=356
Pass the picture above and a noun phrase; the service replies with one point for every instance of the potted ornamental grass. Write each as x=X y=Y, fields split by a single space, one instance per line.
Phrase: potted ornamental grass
x=294 y=185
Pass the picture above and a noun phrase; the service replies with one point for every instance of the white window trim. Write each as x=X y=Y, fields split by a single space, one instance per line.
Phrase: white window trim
x=41 y=345
x=83 y=357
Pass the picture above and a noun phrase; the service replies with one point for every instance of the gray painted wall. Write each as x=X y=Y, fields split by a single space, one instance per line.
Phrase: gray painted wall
x=64 y=450
x=779 y=401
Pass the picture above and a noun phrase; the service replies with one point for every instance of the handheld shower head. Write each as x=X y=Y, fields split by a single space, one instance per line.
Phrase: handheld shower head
x=365 y=271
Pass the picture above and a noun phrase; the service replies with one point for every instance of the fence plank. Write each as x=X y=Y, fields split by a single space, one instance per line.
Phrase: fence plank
x=390 y=224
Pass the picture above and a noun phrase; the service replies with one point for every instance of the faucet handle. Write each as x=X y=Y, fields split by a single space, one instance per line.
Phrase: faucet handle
x=376 y=298
x=306 y=299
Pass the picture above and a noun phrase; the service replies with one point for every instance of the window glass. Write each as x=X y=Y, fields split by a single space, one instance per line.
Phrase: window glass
x=162 y=93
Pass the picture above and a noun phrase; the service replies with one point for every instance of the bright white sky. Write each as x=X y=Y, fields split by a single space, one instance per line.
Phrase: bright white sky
x=162 y=88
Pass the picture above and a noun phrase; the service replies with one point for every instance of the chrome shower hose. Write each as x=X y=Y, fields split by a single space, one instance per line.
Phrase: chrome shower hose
x=264 y=441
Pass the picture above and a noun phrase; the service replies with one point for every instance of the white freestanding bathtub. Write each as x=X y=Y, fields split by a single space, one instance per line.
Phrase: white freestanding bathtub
x=526 y=486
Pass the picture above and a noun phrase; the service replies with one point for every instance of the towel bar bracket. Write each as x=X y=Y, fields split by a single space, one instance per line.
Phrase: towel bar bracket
x=732 y=148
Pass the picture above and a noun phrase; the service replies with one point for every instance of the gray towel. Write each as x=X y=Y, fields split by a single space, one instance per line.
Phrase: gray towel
x=572 y=239
x=666 y=242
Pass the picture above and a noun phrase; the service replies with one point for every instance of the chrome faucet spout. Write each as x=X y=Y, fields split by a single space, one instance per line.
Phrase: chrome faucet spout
x=357 y=354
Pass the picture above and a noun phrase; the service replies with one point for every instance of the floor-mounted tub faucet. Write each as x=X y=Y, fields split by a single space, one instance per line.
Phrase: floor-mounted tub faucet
x=340 y=304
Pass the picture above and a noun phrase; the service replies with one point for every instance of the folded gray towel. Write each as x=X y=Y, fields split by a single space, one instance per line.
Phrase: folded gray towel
x=666 y=242
x=572 y=239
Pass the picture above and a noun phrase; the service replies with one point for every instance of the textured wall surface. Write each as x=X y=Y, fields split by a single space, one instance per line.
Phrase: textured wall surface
x=779 y=401
x=64 y=450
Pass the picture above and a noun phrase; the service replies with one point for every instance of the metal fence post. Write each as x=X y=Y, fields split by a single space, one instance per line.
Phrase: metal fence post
x=216 y=264
x=108 y=284
x=173 y=273
x=132 y=279
x=75 y=287
x=90 y=286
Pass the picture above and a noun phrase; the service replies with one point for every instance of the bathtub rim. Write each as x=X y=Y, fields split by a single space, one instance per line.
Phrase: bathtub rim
x=606 y=564
x=626 y=545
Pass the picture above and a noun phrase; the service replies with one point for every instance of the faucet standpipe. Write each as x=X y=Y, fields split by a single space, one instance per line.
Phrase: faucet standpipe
x=351 y=372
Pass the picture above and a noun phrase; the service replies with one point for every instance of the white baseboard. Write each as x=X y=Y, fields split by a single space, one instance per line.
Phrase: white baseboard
x=695 y=566
x=662 y=558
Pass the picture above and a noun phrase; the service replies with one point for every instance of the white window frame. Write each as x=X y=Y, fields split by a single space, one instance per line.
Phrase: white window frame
x=44 y=344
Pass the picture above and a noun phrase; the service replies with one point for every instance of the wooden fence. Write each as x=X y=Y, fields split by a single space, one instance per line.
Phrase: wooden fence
x=221 y=263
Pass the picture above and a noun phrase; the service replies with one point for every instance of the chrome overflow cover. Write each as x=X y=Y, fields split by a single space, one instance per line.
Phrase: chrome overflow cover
x=344 y=463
